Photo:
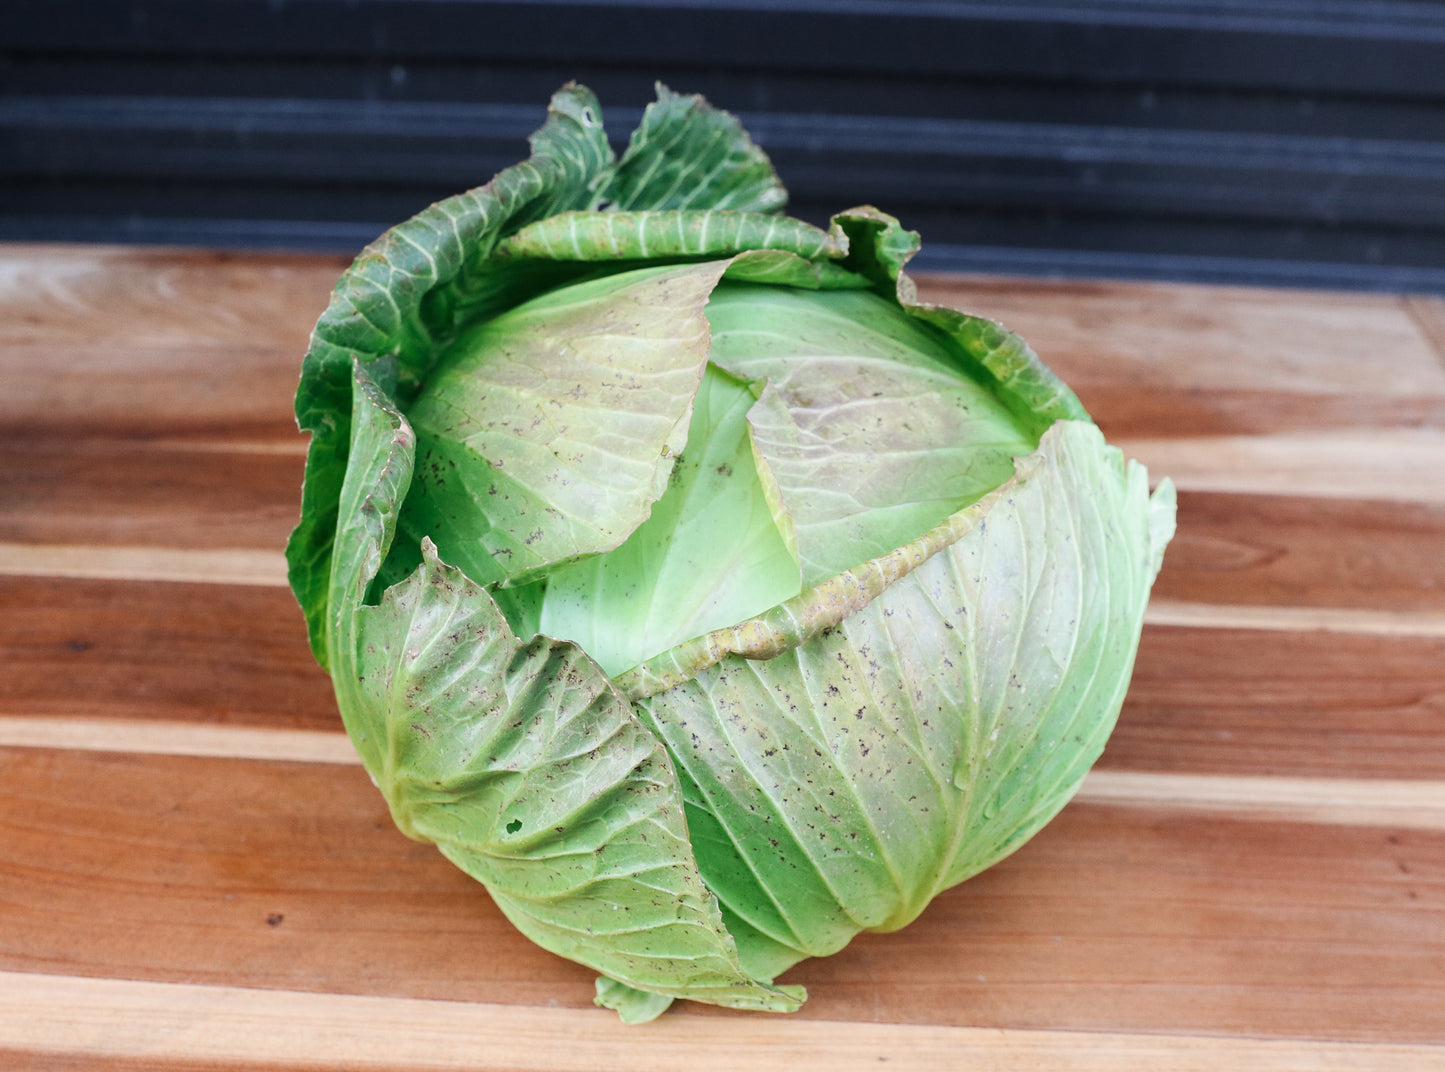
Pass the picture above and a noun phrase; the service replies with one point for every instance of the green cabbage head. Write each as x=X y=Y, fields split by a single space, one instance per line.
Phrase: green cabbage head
x=686 y=580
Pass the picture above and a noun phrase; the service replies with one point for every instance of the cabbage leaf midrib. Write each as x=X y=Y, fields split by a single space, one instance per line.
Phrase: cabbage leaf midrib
x=815 y=609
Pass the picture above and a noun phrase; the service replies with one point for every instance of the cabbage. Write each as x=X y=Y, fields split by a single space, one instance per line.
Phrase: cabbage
x=687 y=581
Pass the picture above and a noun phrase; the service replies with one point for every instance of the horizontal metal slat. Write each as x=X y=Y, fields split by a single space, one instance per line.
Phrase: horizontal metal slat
x=1371 y=47
x=450 y=146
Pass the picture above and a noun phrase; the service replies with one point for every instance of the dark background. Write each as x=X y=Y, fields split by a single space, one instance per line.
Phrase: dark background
x=1296 y=142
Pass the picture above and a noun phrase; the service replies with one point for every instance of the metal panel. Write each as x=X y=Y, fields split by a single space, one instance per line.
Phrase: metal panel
x=1277 y=140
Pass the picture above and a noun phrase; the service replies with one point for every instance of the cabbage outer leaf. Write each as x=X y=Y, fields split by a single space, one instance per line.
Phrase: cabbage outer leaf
x=835 y=788
x=554 y=427
x=686 y=154
x=409 y=294
x=520 y=761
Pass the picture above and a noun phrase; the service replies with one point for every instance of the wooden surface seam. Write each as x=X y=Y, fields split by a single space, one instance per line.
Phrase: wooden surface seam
x=162 y=1022
x=242 y=566
x=1428 y=311
x=1401 y=803
x=175 y=564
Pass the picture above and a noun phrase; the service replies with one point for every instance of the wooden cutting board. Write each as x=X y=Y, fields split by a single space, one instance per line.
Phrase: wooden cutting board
x=195 y=872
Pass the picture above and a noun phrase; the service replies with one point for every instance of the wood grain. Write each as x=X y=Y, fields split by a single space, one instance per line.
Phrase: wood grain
x=94 y=491
x=1210 y=338
x=1272 y=702
x=1406 y=804
x=1394 y=623
x=118 y=389
x=134 y=340
x=162 y=299
x=131 y=649
x=1124 y=411
x=1379 y=465
x=291 y=876
x=1157 y=361
x=172 y=738
x=180 y=1029
x=166 y=564
x=1428 y=311
x=1298 y=551
x=137 y=340
x=1203 y=700
x=195 y=873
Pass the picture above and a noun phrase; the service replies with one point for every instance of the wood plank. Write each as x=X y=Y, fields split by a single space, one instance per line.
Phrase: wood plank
x=1237 y=560
x=1123 y=411
x=1296 y=619
x=173 y=564
x=1380 y=465
x=1414 y=805
x=130 y=340
x=1231 y=546
x=202 y=652
x=291 y=876
x=113 y=389
x=1429 y=312
x=1298 y=551
x=156 y=298
x=93 y=491
x=1220 y=338
x=187 y=1027
x=170 y=738
x=1162 y=360
x=268 y=569
x=1210 y=338
x=1202 y=699
x=1283 y=704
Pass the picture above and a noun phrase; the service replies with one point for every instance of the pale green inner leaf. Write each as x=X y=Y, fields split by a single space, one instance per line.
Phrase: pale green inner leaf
x=549 y=431
x=708 y=556
x=829 y=429
x=869 y=427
